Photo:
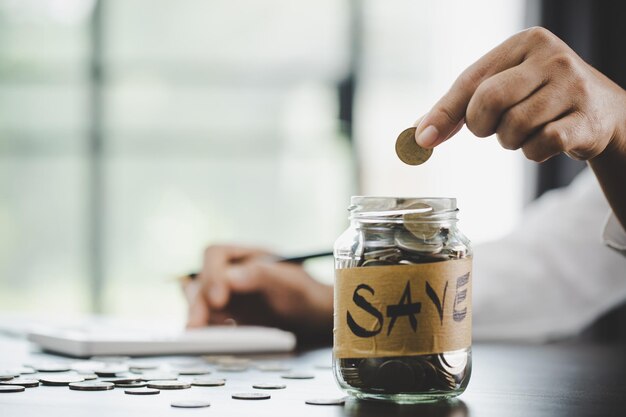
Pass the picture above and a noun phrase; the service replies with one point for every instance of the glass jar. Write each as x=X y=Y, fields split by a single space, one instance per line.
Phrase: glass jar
x=402 y=313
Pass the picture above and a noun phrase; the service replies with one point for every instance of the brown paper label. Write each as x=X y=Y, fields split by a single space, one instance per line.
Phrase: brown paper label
x=403 y=310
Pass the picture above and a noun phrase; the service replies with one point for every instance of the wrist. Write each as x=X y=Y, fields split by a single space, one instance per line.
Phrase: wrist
x=618 y=140
x=320 y=318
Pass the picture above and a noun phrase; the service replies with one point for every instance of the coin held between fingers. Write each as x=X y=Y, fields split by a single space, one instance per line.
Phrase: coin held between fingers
x=409 y=151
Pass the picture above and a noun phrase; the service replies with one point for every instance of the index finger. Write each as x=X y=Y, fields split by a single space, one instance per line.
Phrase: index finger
x=447 y=115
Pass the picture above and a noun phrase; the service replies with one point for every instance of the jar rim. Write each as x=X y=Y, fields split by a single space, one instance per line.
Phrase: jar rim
x=396 y=209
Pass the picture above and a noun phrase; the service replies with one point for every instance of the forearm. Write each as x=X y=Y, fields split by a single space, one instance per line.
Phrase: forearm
x=610 y=169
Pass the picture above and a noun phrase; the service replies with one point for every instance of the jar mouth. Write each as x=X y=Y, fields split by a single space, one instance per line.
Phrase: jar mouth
x=402 y=209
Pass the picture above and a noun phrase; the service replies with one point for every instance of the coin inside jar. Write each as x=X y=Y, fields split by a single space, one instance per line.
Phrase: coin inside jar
x=409 y=151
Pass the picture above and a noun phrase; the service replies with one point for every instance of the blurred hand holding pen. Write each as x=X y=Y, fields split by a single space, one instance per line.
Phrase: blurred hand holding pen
x=256 y=287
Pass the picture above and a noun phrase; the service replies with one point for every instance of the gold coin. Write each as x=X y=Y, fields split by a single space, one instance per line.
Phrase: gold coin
x=409 y=151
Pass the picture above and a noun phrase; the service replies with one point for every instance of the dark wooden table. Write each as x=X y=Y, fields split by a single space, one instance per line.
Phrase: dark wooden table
x=566 y=380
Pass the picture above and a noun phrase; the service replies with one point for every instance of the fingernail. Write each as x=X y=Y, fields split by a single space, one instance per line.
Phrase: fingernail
x=237 y=273
x=428 y=137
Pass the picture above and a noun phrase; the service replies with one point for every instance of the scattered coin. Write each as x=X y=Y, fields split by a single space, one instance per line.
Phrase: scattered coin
x=131 y=385
x=206 y=382
x=169 y=384
x=60 y=380
x=326 y=401
x=91 y=386
x=11 y=388
x=190 y=404
x=269 y=386
x=194 y=371
x=4 y=376
x=24 y=382
x=251 y=396
x=295 y=375
x=110 y=371
x=51 y=367
x=142 y=391
x=88 y=377
x=409 y=151
x=122 y=379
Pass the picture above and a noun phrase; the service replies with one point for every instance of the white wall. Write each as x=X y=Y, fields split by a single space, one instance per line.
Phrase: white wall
x=413 y=52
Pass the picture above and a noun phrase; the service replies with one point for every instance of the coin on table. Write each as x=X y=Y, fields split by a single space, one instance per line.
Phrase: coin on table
x=24 y=382
x=169 y=384
x=131 y=385
x=51 y=367
x=326 y=401
x=409 y=151
x=88 y=377
x=269 y=386
x=142 y=391
x=91 y=386
x=110 y=371
x=193 y=371
x=295 y=375
x=208 y=382
x=190 y=404
x=11 y=388
x=121 y=379
x=6 y=376
x=251 y=396
x=60 y=380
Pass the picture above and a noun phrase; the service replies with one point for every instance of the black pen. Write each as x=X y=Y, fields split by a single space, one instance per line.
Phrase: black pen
x=289 y=260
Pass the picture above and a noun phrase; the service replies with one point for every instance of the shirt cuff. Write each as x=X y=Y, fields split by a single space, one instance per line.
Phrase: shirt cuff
x=614 y=235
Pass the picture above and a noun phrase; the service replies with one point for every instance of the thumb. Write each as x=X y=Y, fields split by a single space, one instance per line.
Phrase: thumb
x=198 y=314
x=432 y=130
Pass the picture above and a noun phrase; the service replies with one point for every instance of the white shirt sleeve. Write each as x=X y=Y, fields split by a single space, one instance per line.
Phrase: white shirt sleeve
x=553 y=275
x=614 y=235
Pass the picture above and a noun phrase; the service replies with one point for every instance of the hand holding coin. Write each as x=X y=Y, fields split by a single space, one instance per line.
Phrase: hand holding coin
x=409 y=151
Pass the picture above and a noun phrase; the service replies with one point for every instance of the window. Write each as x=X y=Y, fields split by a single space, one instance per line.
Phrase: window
x=135 y=132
